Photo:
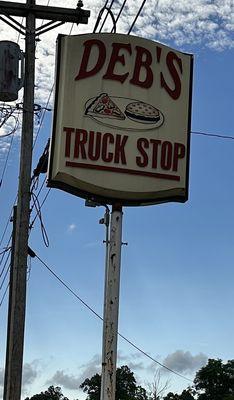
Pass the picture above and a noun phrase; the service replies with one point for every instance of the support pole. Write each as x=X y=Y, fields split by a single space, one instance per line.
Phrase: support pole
x=13 y=381
x=12 y=281
x=111 y=306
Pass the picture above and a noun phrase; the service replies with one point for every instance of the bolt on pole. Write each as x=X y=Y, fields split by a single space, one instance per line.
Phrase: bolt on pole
x=111 y=306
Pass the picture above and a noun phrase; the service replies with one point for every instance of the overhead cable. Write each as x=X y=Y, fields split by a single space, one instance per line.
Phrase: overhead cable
x=119 y=14
x=33 y=254
x=3 y=255
x=4 y=278
x=6 y=160
x=99 y=16
x=136 y=17
x=109 y=12
x=4 y=294
x=217 y=135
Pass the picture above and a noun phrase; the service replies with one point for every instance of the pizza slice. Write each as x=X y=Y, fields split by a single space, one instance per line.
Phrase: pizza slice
x=104 y=107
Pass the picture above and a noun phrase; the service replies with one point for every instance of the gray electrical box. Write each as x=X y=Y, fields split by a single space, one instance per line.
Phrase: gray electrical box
x=11 y=66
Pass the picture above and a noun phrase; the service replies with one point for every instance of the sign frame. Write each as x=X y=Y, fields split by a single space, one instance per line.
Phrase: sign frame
x=106 y=199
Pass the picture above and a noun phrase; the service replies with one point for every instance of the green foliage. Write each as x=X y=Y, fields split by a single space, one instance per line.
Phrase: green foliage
x=126 y=387
x=92 y=387
x=215 y=381
x=171 y=396
x=185 y=395
x=53 y=393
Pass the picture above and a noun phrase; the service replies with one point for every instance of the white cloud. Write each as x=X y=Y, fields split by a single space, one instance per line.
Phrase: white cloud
x=71 y=228
x=73 y=382
x=30 y=373
x=183 y=361
x=92 y=367
x=179 y=361
x=131 y=360
x=67 y=381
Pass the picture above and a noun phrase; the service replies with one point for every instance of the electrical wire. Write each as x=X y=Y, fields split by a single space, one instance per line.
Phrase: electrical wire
x=33 y=254
x=5 y=250
x=99 y=16
x=4 y=278
x=6 y=160
x=8 y=221
x=136 y=17
x=3 y=255
x=108 y=9
x=4 y=266
x=119 y=14
x=39 y=214
x=4 y=294
x=217 y=135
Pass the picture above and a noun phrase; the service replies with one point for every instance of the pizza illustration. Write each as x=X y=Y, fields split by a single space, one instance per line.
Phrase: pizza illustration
x=142 y=112
x=103 y=106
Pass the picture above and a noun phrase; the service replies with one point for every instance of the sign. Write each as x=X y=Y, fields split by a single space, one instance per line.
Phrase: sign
x=121 y=126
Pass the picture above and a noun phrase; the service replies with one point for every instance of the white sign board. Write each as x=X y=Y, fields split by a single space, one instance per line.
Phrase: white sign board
x=121 y=128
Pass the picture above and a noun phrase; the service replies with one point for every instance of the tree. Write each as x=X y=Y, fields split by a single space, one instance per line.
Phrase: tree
x=215 y=381
x=172 y=396
x=126 y=387
x=185 y=395
x=156 y=388
x=53 y=393
x=92 y=387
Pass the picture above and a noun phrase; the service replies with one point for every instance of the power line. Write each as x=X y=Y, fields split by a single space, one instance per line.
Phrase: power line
x=4 y=278
x=217 y=135
x=136 y=17
x=6 y=160
x=33 y=254
x=99 y=16
x=2 y=258
x=108 y=9
x=8 y=221
x=119 y=14
x=4 y=294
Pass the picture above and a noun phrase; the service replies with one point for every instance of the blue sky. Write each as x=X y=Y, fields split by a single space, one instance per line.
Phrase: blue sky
x=176 y=300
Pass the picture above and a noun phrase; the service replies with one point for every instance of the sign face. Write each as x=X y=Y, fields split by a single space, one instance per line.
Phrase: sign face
x=121 y=128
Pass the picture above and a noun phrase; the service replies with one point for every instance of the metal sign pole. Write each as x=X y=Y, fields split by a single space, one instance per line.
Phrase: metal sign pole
x=111 y=306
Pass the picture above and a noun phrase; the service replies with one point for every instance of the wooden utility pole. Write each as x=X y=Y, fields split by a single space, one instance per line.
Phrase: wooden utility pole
x=12 y=389
x=17 y=300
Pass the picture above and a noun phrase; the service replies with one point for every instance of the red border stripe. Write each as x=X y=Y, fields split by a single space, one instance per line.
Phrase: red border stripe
x=123 y=170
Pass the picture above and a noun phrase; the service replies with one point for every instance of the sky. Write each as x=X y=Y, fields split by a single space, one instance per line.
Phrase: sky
x=176 y=297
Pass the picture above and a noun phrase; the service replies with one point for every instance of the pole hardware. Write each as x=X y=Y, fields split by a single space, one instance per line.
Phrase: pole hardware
x=57 y=15
x=11 y=70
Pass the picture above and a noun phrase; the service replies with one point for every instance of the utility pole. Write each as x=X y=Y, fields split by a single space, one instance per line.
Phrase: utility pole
x=17 y=302
x=13 y=278
x=12 y=389
x=111 y=306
